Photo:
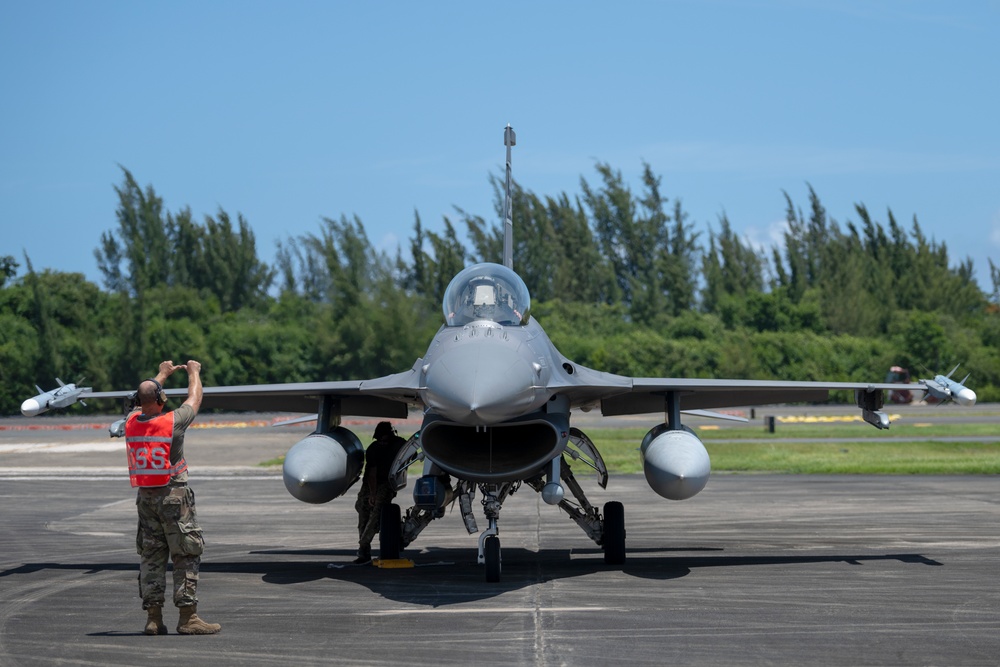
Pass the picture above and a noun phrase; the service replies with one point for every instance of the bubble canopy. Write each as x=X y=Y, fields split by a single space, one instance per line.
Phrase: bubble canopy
x=486 y=292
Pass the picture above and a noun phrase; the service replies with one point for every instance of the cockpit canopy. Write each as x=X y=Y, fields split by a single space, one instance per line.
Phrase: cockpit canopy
x=486 y=292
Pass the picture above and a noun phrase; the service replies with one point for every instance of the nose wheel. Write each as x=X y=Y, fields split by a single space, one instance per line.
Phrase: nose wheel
x=489 y=553
x=489 y=543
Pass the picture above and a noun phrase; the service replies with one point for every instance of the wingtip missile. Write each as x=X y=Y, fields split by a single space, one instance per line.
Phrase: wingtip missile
x=962 y=394
x=943 y=388
x=33 y=406
x=62 y=396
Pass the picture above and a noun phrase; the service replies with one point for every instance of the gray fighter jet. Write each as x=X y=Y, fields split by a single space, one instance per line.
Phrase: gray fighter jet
x=497 y=399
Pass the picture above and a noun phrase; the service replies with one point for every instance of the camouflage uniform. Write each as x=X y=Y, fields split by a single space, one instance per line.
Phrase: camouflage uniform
x=378 y=460
x=369 y=517
x=168 y=526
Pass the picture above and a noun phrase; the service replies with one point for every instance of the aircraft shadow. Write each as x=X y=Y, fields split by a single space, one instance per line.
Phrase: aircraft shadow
x=442 y=577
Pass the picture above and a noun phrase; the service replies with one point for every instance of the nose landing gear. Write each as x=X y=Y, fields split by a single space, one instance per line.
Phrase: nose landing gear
x=489 y=540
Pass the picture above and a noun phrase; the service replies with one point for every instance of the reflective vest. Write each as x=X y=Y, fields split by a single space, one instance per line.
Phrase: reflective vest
x=147 y=444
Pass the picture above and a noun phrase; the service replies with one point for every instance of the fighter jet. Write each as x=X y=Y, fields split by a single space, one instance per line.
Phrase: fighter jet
x=62 y=396
x=497 y=400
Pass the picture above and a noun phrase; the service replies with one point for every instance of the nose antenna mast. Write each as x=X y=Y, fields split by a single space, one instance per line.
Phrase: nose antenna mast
x=508 y=224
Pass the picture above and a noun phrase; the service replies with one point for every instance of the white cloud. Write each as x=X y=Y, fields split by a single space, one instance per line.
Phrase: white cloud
x=765 y=239
x=388 y=243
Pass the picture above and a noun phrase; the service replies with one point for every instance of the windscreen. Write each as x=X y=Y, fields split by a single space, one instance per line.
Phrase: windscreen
x=486 y=292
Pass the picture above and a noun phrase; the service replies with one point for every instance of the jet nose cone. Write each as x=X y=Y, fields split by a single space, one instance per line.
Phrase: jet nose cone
x=30 y=408
x=480 y=384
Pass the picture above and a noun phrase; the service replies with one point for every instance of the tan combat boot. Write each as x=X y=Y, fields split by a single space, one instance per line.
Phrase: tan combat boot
x=190 y=624
x=154 y=622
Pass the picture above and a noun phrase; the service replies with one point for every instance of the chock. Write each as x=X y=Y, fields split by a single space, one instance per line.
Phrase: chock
x=392 y=563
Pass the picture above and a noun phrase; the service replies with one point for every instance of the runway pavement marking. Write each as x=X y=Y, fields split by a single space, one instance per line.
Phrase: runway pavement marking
x=53 y=448
x=210 y=423
x=52 y=478
x=118 y=474
x=495 y=610
x=826 y=419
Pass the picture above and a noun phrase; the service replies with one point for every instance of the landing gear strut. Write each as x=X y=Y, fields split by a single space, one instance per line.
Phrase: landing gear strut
x=608 y=531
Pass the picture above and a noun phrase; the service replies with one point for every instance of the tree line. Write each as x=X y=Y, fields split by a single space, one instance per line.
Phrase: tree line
x=623 y=281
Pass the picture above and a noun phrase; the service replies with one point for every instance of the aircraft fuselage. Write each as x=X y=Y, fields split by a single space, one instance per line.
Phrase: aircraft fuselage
x=484 y=373
x=490 y=414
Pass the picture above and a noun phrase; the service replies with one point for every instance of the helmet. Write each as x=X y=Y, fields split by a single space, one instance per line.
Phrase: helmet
x=383 y=429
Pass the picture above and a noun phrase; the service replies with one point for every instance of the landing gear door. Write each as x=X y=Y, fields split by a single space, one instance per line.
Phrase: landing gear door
x=408 y=454
x=584 y=450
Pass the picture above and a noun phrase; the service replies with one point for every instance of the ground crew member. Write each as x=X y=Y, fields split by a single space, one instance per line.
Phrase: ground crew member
x=375 y=487
x=154 y=440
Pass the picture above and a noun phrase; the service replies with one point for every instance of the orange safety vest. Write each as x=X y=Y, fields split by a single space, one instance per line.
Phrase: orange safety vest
x=147 y=444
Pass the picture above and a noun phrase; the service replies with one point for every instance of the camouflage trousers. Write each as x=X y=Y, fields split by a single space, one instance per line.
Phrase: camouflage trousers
x=370 y=516
x=168 y=526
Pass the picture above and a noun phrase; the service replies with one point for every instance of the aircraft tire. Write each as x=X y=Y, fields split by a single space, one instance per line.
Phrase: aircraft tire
x=390 y=533
x=614 y=533
x=491 y=551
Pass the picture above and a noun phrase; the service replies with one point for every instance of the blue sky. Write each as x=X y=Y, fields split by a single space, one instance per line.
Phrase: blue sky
x=289 y=112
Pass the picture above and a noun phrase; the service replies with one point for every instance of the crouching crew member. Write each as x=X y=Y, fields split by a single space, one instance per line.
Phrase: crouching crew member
x=376 y=490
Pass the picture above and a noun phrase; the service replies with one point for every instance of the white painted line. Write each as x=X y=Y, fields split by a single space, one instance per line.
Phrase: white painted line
x=493 y=610
x=94 y=474
x=52 y=448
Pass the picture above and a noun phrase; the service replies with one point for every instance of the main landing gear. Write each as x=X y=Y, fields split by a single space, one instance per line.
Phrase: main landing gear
x=613 y=538
x=390 y=532
x=607 y=529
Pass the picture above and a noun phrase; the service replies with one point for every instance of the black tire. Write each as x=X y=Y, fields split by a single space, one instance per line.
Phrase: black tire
x=491 y=550
x=390 y=532
x=614 y=533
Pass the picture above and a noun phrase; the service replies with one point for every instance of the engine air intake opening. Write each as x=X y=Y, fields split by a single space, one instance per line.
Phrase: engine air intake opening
x=493 y=453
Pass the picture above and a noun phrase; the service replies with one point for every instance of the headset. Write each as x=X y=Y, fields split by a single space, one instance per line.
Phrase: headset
x=161 y=396
x=383 y=429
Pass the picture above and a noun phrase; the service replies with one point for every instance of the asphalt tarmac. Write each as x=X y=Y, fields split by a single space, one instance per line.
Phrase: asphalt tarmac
x=757 y=569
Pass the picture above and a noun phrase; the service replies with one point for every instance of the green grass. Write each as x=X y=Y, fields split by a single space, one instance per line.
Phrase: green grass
x=868 y=451
x=870 y=458
x=860 y=431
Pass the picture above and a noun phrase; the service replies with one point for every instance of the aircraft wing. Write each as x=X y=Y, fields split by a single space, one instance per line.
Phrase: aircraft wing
x=388 y=396
x=647 y=394
x=624 y=395
x=391 y=396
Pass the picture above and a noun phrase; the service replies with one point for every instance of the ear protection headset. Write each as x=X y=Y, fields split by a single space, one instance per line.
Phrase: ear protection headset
x=161 y=396
x=383 y=429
